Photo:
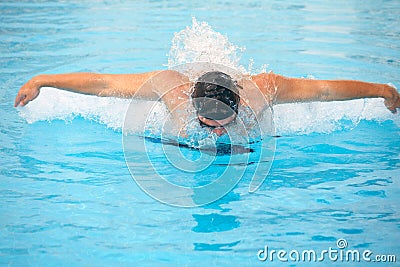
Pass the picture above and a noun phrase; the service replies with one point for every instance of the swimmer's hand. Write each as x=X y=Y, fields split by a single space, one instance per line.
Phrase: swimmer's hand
x=28 y=92
x=392 y=98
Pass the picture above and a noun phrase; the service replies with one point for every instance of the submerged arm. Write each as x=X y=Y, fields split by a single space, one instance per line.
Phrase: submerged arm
x=305 y=90
x=119 y=85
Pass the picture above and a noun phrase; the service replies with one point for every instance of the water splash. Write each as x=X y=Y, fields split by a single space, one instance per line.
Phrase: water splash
x=200 y=43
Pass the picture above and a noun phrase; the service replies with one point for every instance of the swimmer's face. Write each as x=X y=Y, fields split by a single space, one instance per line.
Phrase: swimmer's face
x=216 y=126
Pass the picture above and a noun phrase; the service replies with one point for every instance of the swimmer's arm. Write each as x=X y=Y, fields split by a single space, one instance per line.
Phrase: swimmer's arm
x=305 y=90
x=118 y=85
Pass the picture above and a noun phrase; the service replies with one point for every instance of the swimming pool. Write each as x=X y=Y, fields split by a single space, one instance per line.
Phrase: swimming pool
x=67 y=196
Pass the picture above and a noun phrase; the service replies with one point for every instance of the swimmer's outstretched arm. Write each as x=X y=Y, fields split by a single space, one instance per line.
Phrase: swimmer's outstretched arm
x=119 y=85
x=304 y=90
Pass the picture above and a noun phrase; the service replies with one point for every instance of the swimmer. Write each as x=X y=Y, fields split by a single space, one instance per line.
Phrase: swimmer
x=215 y=95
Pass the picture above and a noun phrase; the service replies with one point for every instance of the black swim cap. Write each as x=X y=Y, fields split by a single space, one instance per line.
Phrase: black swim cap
x=216 y=95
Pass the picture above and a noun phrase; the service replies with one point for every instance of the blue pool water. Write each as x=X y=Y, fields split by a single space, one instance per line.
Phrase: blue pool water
x=67 y=196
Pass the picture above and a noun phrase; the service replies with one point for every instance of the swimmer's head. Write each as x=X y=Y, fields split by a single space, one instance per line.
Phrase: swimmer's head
x=216 y=96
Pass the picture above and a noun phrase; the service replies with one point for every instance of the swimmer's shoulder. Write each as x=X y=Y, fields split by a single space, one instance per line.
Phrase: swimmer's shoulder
x=169 y=83
x=267 y=82
x=264 y=79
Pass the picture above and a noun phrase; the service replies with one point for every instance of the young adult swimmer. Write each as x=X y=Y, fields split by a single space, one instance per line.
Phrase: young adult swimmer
x=215 y=95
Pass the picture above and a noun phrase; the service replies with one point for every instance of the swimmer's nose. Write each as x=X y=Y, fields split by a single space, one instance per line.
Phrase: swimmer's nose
x=219 y=131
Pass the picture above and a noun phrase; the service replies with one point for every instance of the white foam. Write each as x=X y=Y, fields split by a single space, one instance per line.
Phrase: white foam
x=302 y=118
x=326 y=117
x=53 y=104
